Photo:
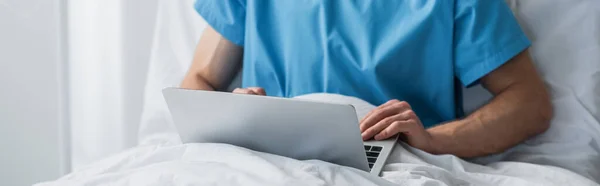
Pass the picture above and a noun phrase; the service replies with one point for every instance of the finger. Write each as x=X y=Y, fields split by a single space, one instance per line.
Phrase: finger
x=378 y=115
x=258 y=91
x=243 y=91
x=407 y=115
x=375 y=129
x=239 y=91
x=402 y=105
x=381 y=113
x=390 y=102
x=395 y=128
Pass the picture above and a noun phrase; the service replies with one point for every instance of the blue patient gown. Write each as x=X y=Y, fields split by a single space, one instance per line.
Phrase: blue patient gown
x=419 y=51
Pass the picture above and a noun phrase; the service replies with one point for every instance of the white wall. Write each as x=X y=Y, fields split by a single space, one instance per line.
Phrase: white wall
x=29 y=92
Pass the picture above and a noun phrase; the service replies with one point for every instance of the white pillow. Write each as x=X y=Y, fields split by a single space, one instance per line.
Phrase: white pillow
x=566 y=50
x=566 y=46
x=565 y=39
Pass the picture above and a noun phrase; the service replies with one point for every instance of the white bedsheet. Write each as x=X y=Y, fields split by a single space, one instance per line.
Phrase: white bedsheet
x=221 y=164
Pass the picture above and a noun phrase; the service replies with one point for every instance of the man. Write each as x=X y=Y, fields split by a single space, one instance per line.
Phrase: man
x=411 y=57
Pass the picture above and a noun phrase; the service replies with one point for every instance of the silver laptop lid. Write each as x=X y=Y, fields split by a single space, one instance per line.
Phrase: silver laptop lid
x=297 y=129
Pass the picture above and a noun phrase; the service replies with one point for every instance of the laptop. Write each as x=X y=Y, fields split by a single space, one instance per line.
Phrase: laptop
x=299 y=129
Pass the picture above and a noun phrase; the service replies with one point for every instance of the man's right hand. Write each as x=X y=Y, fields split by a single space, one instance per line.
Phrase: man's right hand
x=251 y=90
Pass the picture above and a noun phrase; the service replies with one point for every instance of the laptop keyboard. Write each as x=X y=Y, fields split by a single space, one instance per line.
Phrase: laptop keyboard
x=372 y=154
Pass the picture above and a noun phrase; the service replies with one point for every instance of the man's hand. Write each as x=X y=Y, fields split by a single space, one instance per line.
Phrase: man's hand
x=392 y=118
x=250 y=90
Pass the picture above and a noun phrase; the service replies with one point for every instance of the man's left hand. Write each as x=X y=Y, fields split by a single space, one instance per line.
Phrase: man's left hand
x=392 y=118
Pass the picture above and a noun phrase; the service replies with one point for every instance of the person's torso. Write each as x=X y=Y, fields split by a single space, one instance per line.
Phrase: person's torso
x=371 y=49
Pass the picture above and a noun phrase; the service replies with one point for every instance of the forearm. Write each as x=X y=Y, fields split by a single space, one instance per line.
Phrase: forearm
x=510 y=118
x=196 y=82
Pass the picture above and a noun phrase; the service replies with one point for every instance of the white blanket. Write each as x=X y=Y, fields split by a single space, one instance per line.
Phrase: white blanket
x=221 y=164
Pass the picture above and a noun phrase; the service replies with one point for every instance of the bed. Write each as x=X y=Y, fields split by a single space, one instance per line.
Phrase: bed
x=566 y=49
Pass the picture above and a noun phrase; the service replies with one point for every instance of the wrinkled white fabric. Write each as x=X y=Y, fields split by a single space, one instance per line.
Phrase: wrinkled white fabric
x=221 y=164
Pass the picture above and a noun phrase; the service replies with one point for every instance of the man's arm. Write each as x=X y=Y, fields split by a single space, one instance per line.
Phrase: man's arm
x=216 y=62
x=520 y=109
